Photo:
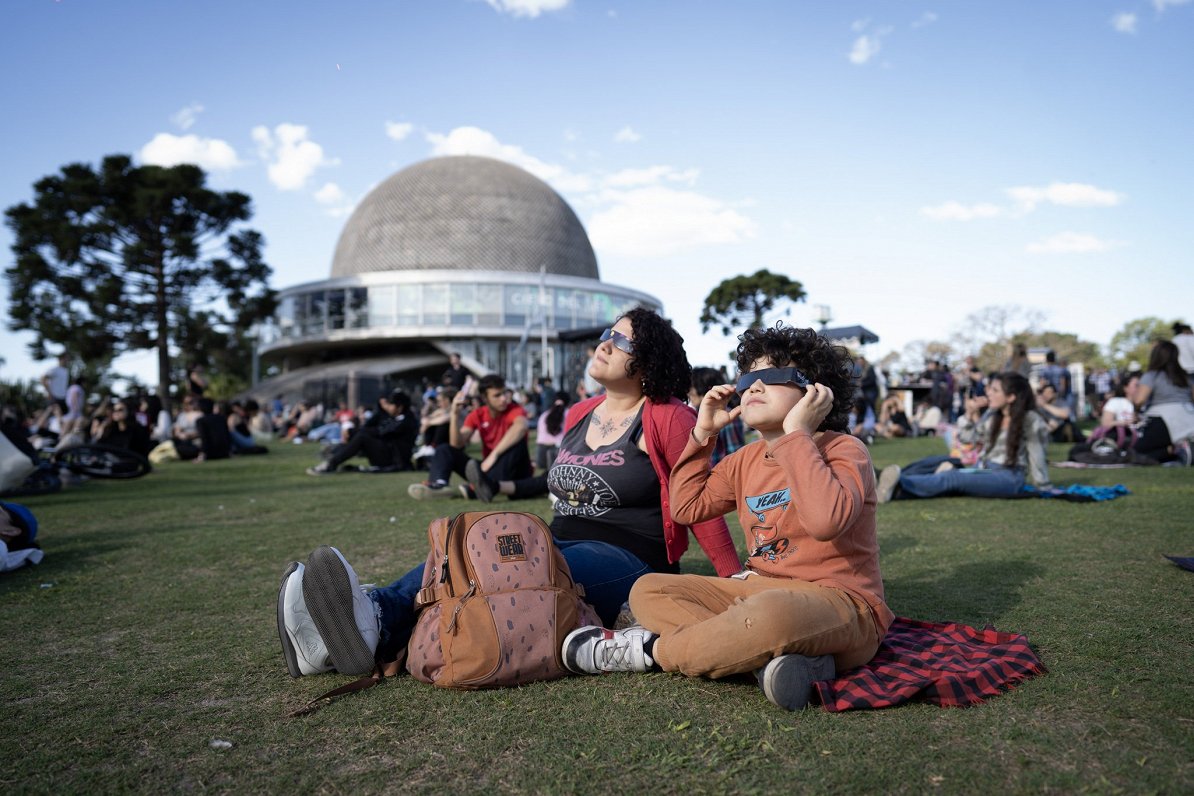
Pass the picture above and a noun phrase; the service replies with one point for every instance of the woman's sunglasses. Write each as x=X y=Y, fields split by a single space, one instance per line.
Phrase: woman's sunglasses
x=621 y=341
x=791 y=376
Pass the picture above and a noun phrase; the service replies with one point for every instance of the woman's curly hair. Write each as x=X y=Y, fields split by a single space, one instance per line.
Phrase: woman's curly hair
x=658 y=359
x=821 y=361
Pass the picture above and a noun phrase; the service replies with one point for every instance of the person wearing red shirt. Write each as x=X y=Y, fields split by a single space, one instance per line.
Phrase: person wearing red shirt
x=502 y=425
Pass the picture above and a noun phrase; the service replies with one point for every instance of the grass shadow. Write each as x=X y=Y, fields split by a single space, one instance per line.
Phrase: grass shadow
x=977 y=593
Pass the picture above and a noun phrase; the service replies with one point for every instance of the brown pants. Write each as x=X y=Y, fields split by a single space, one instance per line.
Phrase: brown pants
x=715 y=627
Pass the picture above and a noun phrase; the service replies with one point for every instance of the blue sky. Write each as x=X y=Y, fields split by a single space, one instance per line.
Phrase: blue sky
x=909 y=163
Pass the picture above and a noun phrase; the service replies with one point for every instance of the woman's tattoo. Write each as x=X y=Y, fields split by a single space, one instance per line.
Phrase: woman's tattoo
x=607 y=427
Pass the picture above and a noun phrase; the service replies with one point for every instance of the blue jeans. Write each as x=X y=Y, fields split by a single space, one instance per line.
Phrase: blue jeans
x=918 y=480
x=606 y=571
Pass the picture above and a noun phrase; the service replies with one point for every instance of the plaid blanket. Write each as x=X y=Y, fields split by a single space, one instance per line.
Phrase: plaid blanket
x=951 y=664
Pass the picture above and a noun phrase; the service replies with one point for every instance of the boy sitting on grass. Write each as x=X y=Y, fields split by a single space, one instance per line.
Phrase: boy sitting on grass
x=810 y=600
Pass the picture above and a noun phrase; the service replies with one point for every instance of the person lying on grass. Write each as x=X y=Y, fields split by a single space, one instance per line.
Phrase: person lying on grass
x=1013 y=438
x=810 y=600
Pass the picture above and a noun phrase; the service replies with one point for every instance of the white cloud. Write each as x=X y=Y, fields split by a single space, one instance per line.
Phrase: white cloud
x=1124 y=23
x=927 y=18
x=865 y=48
x=527 y=8
x=335 y=200
x=627 y=135
x=398 y=130
x=211 y=154
x=1071 y=243
x=859 y=25
x=956 y=211
x=1066 y=194
x=645 y=212
x=291 y=155
x=652 y=175
x=1161 y=5
x=658 y=221
x=185 y=118
x=329 y=194
x=475 y=141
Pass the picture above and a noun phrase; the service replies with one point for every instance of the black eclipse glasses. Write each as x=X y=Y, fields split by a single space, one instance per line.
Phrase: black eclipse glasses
x=791 y=376
x=621 y=341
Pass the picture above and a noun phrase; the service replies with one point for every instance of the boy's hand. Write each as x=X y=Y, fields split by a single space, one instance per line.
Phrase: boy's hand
x=811 y=410
x=712 y=415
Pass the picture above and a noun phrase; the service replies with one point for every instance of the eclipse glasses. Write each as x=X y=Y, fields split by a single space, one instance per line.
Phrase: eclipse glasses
x=791 y=376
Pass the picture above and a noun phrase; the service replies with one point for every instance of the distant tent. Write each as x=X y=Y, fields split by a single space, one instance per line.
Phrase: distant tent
x=851 y=336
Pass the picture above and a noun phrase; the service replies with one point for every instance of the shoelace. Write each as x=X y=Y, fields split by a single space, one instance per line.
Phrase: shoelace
x=616 y=651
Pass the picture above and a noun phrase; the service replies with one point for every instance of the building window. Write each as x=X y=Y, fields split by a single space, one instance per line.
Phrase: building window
x=435 y=305
x=409 y=299
x=489 y=305
x=464 y=304
x=381 y=306
x=316 y=321
x=286 y=326
x=566 y=301
x=335 y=299
x=356 y=315
x=520 y=304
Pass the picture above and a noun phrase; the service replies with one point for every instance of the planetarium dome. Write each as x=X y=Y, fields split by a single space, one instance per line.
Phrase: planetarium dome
x=464 y=213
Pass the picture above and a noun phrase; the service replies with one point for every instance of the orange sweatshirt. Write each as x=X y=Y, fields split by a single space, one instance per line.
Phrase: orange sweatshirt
x=807 y=507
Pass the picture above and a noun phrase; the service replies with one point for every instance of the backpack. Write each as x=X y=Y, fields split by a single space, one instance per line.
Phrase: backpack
x=496 y=604
x=1102 y=442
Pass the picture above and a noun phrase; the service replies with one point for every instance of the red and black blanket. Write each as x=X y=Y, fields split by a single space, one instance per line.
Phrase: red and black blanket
x=951 y=664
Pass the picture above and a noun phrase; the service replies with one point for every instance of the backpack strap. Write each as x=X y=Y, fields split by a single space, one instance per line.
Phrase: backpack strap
x=380 y=672
x=425 y=597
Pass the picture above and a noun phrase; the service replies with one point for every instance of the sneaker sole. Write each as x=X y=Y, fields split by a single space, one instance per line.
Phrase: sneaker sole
x=328 y=593
x=288 y=651
x=476 y=479
x=889 y=479
x=797 y=673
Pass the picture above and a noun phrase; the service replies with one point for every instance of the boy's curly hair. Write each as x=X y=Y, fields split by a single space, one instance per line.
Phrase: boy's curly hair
x=659 y=358
x=821 y=361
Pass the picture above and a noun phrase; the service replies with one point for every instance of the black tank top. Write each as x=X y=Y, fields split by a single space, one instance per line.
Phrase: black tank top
x=610 y=494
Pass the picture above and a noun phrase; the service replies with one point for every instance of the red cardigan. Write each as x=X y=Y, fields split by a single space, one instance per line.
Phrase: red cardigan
x=667 y=427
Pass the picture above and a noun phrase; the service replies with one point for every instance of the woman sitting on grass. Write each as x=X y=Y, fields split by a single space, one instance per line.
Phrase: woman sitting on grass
x=810 y=600
x=1013 y=438
x=1164 y=397
x=613 y=521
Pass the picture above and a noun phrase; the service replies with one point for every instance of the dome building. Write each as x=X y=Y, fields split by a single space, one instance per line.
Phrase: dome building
x=455 y=254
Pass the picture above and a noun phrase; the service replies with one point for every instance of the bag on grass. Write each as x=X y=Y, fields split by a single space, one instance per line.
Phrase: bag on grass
x=15 y=466
x=496 y=603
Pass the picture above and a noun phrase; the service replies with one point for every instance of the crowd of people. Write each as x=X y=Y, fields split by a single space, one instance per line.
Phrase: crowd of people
x=652 y=451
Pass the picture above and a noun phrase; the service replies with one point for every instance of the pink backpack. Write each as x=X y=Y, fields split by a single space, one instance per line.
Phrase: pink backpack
x=496 y=603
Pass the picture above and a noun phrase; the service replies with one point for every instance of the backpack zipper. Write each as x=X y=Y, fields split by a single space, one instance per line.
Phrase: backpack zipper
x=472 y=589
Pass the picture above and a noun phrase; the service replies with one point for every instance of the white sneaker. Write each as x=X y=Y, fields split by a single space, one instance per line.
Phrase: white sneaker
x=593 y=650
x=302 y=646
x=425 y=491
x=345 y=616
x=889 y=479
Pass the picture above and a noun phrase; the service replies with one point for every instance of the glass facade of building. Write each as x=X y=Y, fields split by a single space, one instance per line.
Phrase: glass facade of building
x=417 y=309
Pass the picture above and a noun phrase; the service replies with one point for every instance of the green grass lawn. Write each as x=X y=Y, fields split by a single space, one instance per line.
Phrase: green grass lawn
x=149 y=631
